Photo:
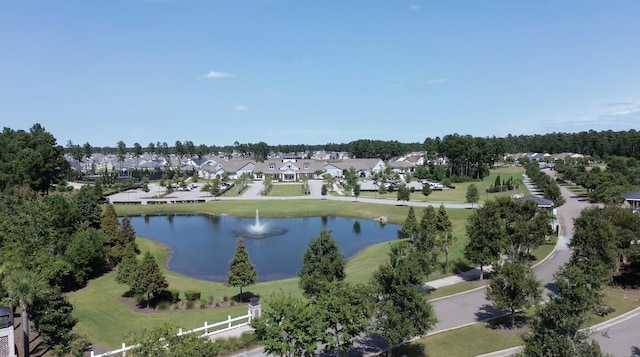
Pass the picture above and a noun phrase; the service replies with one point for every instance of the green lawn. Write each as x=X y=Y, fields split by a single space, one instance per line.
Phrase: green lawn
x=276 y=209
x=286 y=189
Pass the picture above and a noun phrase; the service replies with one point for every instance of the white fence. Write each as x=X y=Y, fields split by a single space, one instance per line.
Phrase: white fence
x=229 y=322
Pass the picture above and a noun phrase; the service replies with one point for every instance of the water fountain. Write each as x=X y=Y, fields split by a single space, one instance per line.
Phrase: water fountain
x=259 y=230
x=257 y=227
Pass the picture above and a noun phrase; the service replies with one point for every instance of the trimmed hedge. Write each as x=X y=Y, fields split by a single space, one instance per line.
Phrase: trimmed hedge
x=192 y=295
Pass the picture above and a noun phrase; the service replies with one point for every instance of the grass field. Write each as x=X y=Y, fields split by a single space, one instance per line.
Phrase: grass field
x=286 y=189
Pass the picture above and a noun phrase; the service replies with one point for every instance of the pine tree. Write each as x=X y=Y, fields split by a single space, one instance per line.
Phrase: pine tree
x=128 y=266
x=443 y=223
x=322 y=262
x=148 y=278
x=241 y=272
x=410 y=226
x=109 y=224
x=429 y=221
x=126 y=234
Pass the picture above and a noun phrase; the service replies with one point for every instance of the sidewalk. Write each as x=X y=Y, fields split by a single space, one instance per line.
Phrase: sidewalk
x=468 y=275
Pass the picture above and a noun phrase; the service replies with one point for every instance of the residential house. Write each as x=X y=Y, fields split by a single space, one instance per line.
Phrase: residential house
x=633 y=199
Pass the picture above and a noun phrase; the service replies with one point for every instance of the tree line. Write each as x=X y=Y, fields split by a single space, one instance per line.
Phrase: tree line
x=593 y=143
x=607 y=185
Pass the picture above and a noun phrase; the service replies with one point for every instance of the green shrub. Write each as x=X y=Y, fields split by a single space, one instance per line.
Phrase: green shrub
x=192 y=295
x=138 y=298
x=174 y=295
x=189 y=305
x=170 y=295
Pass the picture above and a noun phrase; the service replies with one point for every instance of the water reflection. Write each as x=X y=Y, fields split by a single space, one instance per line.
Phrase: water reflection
x=356 y=227
x=203 y=245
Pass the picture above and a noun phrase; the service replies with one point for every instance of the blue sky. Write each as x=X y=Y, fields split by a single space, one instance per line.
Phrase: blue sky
x=313 y=72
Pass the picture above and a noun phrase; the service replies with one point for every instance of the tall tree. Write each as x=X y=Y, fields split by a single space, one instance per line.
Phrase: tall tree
x=429 y=221
x=403 y=194
x=514 y=286
x=410 y=227
x=86 y=254
x=443 y=223
x=472 y=194
x=356 y=191
x=127 y=266
x=322 y=263
x=594 y=245
x=137 y=152
x=241 y=272
x=87 y=150
x=111 y=229
x=402 y=311
x=148 y=279
x=345 y=314
x=557 y=328
x=484 y=244
x=53 y=319
x=86 y=201
x=122 y=152
x=426 y=190
x=288 y=327
x=31 y=158
x=126 y=234
x=260 y=151
x=151 y=148
x=445 y=240
x=24 y=286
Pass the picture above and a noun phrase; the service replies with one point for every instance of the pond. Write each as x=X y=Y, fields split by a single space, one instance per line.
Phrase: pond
x=203 y=245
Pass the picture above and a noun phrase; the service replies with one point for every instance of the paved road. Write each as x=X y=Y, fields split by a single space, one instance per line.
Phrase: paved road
x=622 y=339
x=465 y=309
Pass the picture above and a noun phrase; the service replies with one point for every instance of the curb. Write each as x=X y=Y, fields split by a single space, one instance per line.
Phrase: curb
x=549 y=256
x=593 y=329
x=614 y=321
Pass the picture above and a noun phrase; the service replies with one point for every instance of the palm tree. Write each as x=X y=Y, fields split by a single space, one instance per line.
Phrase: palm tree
x=24 y=286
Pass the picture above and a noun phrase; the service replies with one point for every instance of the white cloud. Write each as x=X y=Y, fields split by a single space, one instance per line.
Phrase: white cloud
x=240 y=108
x=217 y=75
x=415 y=7
x=435 y=81
x=620 y=104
